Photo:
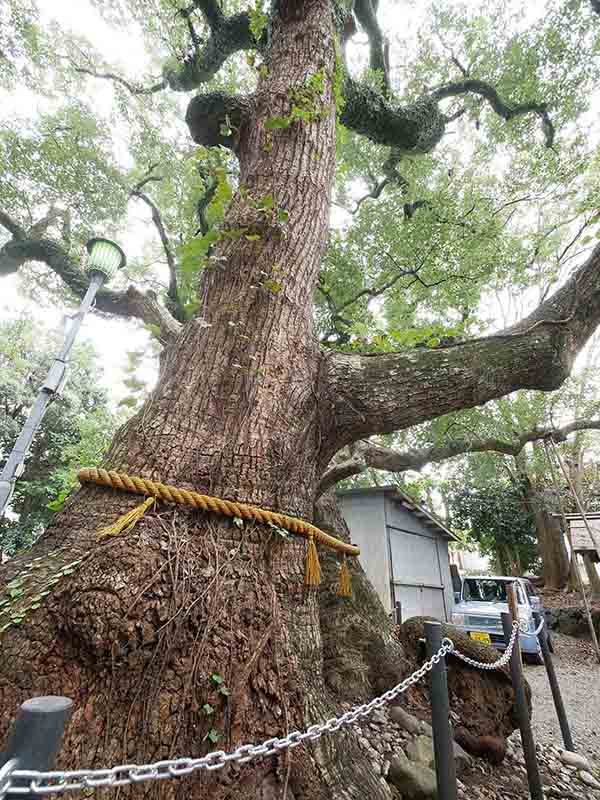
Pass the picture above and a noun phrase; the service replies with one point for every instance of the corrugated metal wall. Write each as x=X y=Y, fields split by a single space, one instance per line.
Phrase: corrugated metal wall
x=420 y=570
x=405 y=559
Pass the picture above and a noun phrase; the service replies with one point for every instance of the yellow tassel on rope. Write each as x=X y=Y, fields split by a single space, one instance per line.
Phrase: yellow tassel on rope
x=128 y=520
x=312 y=569
x=345 y=581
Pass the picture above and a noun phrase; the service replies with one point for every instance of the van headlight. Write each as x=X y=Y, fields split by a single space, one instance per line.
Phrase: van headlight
x=458 y=619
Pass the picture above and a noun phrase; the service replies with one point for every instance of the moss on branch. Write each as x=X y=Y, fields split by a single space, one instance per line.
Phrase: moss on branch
x=415 y=128
x=228 y=35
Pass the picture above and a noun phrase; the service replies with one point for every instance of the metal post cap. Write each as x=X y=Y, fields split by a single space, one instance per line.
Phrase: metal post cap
x=49 y=704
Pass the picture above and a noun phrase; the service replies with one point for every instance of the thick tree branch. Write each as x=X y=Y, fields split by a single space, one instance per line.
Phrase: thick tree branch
x=12 y=226
x=389 y=392
x=367 y=455
x=212 y=12
x=130 y=303
x=228 y=35
x=410 y=129
x=418 y=128
x=208 y=116
x=507 y=112
x=366 y=14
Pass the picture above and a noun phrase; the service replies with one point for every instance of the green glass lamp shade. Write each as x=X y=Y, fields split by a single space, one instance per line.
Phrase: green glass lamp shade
x=105 y=257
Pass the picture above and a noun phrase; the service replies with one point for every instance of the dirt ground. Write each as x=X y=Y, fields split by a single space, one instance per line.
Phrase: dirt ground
x=578 y=674
x=579 y=678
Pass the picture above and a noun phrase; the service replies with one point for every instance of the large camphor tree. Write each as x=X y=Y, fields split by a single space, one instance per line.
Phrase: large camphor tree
x=191 y=630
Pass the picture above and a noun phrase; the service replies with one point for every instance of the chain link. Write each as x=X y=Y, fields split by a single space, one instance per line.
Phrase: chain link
x=5 y=773
x=538 y=630
x=59 y=782
x=501 y=662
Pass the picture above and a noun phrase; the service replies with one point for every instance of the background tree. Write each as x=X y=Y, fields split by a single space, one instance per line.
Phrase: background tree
x=259 y=389
x=493 y=515
x=76 y=430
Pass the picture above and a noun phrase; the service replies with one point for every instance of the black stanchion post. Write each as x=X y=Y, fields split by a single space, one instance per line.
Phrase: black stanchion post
x=36 y=736
x=445 y=766
x=398 y=610
x=554 y=687
x=516 y=673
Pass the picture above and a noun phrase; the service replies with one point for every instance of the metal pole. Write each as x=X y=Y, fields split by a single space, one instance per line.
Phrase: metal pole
x=445 y=767
x=55 y=380
x=516 y=673
x=35 y=737
x=513 y=607
x=398 y=609
x=554 y=687
x=567 y=528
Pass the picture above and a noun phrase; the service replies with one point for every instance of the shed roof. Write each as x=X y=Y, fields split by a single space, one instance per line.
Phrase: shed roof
x=406 y=501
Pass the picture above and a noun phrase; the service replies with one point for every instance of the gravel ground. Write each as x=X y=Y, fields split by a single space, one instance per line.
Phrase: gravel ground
x=578 y=675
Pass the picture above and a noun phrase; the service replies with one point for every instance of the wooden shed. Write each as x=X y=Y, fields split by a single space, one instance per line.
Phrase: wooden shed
x=580 y=535
x=404 y=550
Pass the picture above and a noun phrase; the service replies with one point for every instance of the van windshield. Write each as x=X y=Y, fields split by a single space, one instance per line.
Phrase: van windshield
x=488 y=590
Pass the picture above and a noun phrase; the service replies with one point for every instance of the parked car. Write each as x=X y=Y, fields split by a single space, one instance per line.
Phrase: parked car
x=481 y=601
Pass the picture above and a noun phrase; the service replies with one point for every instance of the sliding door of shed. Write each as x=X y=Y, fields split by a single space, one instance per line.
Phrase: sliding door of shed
x=416 y=573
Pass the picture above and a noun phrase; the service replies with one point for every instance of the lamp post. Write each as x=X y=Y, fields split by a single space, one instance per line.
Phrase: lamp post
x=105 y=258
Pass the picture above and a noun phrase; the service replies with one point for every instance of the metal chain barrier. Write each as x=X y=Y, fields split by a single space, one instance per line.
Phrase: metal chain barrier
x=501 y=662
x=59 y=782
x=538 y=630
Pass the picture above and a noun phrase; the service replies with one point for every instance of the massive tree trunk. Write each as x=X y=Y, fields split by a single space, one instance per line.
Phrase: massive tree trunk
x=136 y=631
x=247 y=407
x=552 y=548
x=551 y=543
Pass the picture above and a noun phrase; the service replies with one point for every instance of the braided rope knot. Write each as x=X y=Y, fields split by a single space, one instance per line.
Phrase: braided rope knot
x=203 y=502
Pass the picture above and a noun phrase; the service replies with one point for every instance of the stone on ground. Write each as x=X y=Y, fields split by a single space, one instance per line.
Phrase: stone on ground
x=575 y=760
x=420 y=750
x=588 y=779
x=414 y=780
x=405 y=720
x=461 y=758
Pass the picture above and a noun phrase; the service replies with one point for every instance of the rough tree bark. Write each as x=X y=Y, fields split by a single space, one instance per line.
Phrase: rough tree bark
x=248 y=407
x=553 y=551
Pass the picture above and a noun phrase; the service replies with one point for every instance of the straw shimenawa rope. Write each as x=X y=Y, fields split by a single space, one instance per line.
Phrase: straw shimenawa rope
x=172 y=494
